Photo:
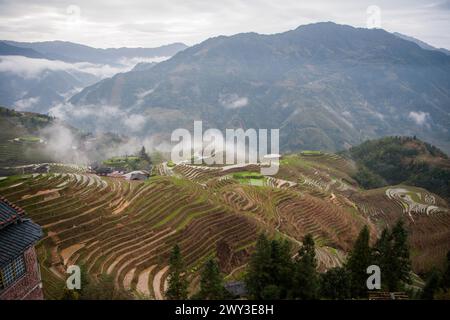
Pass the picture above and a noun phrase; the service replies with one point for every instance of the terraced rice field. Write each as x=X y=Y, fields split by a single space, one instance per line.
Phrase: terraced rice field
x=124 y=228
x=127 y=228
x=426 y=215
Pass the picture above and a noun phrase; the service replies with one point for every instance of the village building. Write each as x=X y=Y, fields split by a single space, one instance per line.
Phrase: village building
x=137 y=175
x=20 y=277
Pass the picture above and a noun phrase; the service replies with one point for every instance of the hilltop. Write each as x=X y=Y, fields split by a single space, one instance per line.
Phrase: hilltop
x=396 y=160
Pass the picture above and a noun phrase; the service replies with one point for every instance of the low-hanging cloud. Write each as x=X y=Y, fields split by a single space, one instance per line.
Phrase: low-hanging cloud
x=419 y=117
x=62 y=145
x=103 y=117
x=233 y=101
x=26 y=103
x=30 y=68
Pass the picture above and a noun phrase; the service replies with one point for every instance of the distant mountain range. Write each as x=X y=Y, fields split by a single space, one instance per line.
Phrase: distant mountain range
x=36 y=76
x=9 y=50
x=326 y=86
x=74 y=52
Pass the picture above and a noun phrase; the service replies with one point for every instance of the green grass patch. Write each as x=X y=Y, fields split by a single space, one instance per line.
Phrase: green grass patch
x=170 y=164
x=29 y=139
x=247 y=175
x=250 y=178
x=311 y=153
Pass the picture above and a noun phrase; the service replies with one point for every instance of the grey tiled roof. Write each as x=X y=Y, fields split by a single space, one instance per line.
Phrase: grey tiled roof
x=16 y=233
x=8 y=212
x=16 y=238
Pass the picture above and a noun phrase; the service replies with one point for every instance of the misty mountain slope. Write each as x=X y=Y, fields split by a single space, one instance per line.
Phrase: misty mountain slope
x=74 y=52
x=326 y=86
x=9 y=50
x=40 y=75
x=37 y=84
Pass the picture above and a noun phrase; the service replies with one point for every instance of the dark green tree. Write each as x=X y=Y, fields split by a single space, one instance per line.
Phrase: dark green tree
x=383 y=255
x=211 y=282
x=305 y=278
x=400 y=272
x=177 y=283
x=432 y=285
x=446 y=276
x=360 y=258
x=391 y=254
x=282 y=267
x=271 y=292
x=335 y=284
x=104 y=289
x=144 y=155
x=259 y=271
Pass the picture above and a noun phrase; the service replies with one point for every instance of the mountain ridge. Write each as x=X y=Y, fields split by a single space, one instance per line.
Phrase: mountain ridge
x=328 y=86
x=74 y=52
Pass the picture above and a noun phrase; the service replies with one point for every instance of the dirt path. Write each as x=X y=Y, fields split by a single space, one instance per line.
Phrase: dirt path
x=142 y=284
x=157 y=283
x=236 y=269
x=128 y=278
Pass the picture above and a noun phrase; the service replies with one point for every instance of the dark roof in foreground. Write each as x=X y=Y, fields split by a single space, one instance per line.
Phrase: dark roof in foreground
x=236 y=288
x=16 y=232
x=16 y=238
x=9 y=213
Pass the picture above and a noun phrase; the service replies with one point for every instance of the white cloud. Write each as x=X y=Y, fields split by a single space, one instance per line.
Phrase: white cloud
x=135 y=122
x=152 y=23
x=131 y=62
x=419 y=117
x=30 y=68
x=233 y=101
x=104 y=117
x=26 y=104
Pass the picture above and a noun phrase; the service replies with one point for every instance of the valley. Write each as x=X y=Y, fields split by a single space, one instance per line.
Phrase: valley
x=127 y=228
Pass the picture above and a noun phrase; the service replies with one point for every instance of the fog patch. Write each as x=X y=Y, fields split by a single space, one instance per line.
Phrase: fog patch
x=233 y=101
x=102 y=117
x=131 y=62
x=62 y=145
x=26 y=104
x=420 y=118
x=30 y=68
x=135 y=122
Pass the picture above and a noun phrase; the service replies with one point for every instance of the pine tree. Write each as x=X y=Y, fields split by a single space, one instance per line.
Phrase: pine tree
x=211 y=282
x=335 y=284
x=446 y=277
x=401 y=264
x=305 y=278
x=432 y=285
x=259 y=270
x=144 y=155
x=357 y=263
x=177 y=289
x=383 y=255
x=281 y=267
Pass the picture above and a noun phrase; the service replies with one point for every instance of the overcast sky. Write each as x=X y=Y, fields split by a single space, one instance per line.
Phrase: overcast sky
x=149 y=23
